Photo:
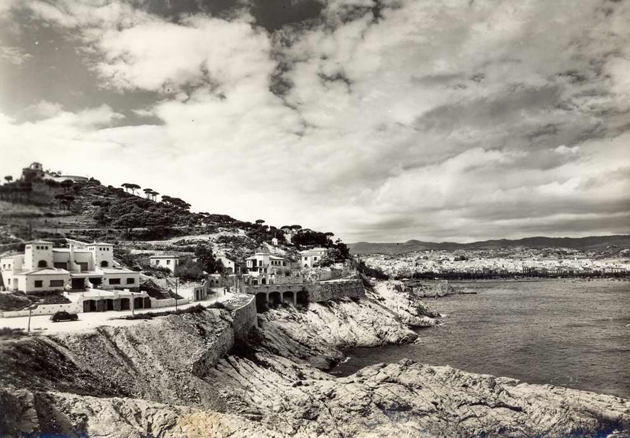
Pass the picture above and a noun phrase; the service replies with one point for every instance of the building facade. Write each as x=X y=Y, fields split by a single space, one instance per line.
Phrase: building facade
x=312 y=256
x=170 y=262
x=44 y=268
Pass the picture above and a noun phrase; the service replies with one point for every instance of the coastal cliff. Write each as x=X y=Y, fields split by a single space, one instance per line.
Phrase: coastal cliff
x=192 y=376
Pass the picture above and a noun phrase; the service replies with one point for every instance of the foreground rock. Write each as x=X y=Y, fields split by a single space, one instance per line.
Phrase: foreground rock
x=189 y=376
x=401 y=399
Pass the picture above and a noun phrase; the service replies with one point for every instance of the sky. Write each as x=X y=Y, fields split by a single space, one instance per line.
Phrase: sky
x=377 y=120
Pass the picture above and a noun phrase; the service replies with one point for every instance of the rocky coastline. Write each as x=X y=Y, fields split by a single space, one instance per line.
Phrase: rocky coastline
x=189 y=376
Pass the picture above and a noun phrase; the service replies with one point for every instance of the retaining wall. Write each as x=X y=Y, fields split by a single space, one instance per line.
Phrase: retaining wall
x=169 y=302
x=45 y=309
x=244 y=318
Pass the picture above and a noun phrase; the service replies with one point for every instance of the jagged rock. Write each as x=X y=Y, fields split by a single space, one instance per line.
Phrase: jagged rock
x=175 y=377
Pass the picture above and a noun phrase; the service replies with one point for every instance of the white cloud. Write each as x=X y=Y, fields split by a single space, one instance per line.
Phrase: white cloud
x=14 y=55
x=439 y=120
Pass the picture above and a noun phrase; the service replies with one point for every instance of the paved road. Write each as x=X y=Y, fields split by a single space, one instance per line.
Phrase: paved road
x=43 y=324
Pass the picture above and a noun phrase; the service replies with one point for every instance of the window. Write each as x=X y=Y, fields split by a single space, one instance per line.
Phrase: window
x=104 y=264
x=42 y=264
x=131 y=281
x=57 y=283
x=114 y=281
x=39 y=283
x=168 y=262
x=60 y=265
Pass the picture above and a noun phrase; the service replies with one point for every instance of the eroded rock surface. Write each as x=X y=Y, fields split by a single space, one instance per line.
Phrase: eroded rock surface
x=186 y=376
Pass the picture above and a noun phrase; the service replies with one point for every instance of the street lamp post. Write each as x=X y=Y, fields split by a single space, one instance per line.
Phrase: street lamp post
x=30 y=310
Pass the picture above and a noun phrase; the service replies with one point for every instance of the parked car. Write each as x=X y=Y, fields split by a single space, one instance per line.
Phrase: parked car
x=64 y=316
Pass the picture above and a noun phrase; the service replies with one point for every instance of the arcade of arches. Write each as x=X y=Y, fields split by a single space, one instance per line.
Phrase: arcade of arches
x=118 y=304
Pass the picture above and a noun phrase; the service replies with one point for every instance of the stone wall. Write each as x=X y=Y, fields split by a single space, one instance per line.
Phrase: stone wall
x=244 y=318
x=335 y=289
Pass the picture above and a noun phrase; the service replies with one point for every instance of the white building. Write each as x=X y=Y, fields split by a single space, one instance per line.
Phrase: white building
x=264 y=268
x=169 y=262
x=310 y=257
x=229 y=265
x=42 y=268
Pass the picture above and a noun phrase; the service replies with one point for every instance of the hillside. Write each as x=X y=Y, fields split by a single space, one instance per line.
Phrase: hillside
x=592 y=243
x=135 y=218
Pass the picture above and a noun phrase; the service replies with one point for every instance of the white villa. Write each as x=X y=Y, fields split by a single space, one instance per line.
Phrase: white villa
x=264 y=267
x=43 y=268
x=169 y=262
x=310 y=257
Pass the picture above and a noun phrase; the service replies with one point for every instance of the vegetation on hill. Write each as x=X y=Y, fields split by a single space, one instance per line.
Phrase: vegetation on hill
x=88 y=211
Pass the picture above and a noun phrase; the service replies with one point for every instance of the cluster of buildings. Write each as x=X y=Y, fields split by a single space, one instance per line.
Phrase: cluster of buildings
x=443 y=263
x=262 y=268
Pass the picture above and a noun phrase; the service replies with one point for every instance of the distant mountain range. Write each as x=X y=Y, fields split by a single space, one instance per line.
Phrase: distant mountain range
x=592 y=243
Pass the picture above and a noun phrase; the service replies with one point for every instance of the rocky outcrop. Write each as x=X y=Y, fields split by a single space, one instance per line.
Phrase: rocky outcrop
x=433 y=289
x=277 y=398
x=317 y=334
x=189 y=376
x=404 y=302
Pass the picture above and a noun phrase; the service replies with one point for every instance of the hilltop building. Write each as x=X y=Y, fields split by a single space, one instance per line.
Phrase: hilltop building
x=44 y=268
x=36 y=171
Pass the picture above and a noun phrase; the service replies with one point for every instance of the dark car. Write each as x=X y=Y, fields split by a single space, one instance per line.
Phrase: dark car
x=64 y=316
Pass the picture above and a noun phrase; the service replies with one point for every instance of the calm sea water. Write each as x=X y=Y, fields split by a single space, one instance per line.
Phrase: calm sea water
x=566 y=333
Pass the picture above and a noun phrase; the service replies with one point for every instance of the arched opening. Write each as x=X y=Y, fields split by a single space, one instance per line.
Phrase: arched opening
x=138 y=303
x=288 y=298
x=261 y=303
x=104 y=264
x=109 y=304
x=42 y=264
x=263 y=281
x=89 y=306
x=147 y=302
x=125 y=304
x=302 y=298
x=275 y=299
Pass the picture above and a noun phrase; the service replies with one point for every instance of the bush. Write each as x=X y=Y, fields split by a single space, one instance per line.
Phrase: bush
x=11 y=333
x=190 y=271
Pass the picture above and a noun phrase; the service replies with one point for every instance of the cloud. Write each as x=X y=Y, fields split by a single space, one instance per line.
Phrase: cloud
x=375 y=120
x=14 y=55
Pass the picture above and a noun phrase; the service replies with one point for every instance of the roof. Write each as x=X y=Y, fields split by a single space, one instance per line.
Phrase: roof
x=316 y=251
x=166 y=256
x=68 y=250
x=12 y=256
x=118 y=271
x=40 y=241
x=46 y=271
x=100 y=244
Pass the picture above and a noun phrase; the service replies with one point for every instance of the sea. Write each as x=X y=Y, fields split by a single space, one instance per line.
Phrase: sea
x=571 y=333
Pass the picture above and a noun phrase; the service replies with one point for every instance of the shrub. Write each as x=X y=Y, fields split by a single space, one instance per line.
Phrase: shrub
x=11 y=333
